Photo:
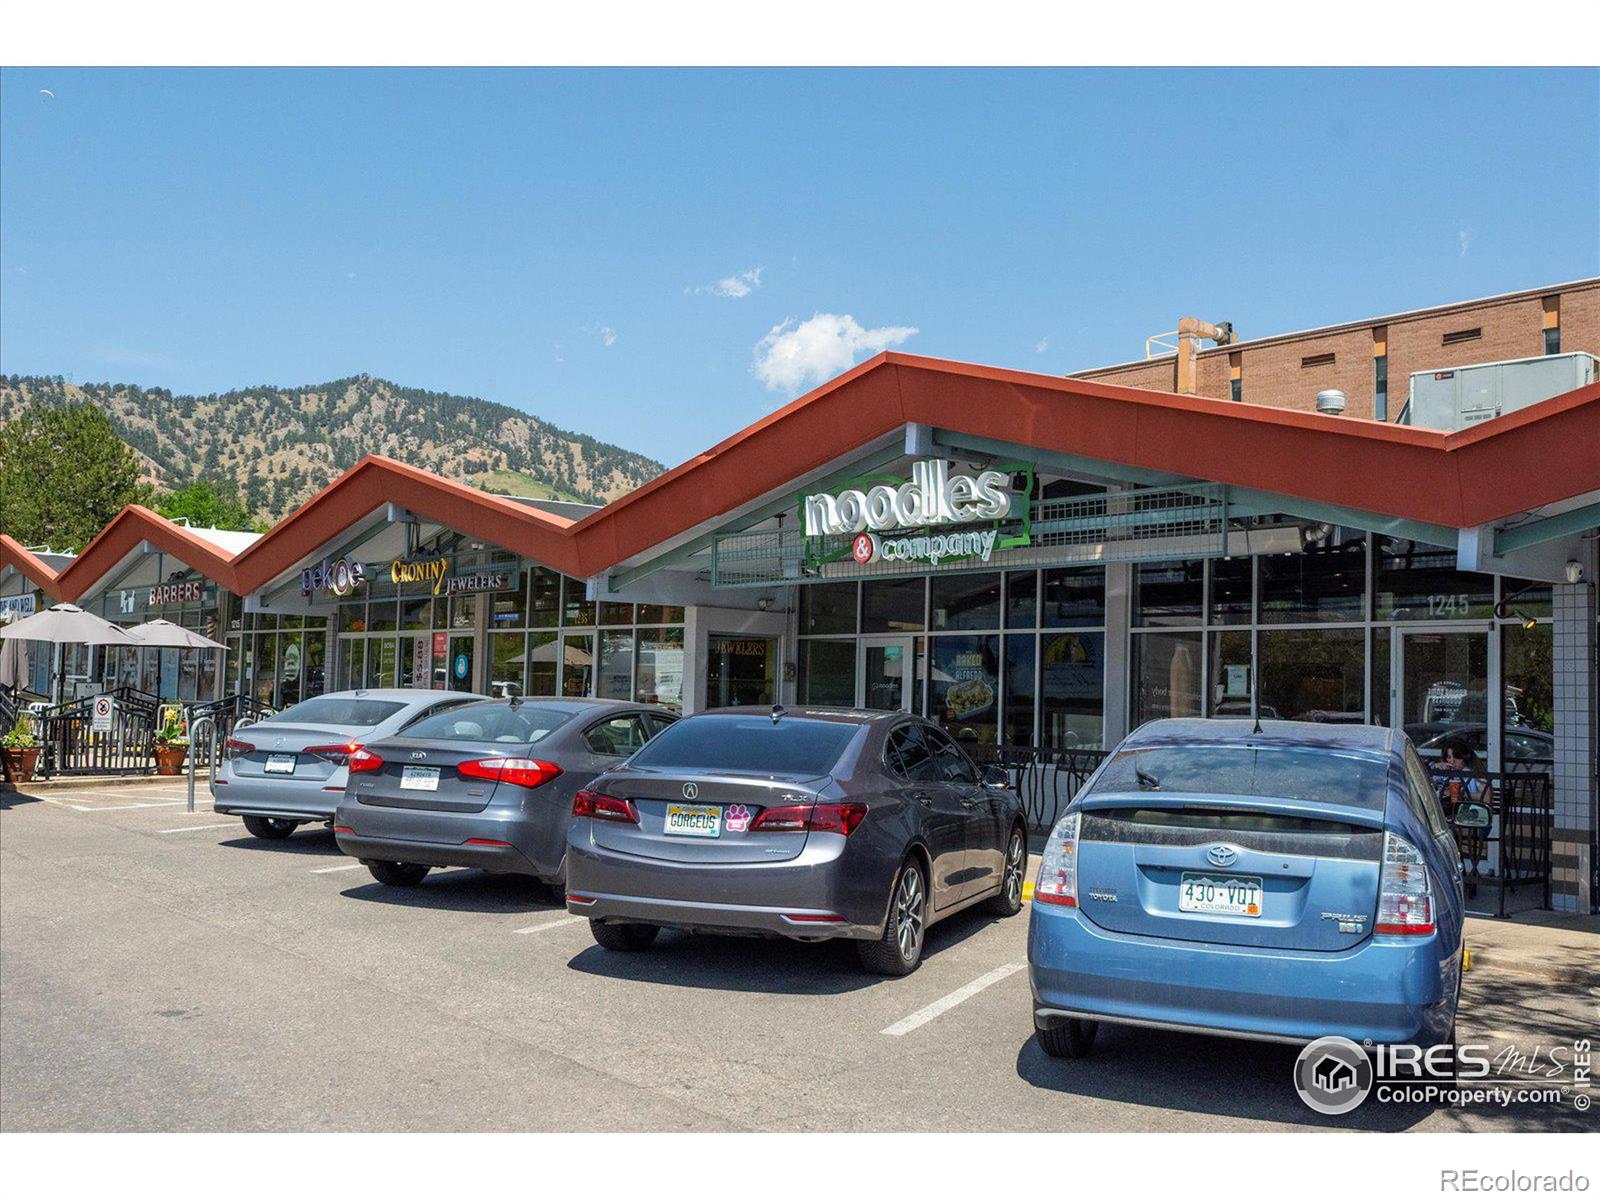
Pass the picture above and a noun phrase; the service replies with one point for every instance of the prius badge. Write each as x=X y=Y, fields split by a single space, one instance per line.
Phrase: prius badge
x=1222 y=856
x=691 y=791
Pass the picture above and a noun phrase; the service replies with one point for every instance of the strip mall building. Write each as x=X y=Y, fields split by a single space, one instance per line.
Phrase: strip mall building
x=1033 y=560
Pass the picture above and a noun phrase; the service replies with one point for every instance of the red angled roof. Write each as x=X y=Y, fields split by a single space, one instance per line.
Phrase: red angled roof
x=1540 y=455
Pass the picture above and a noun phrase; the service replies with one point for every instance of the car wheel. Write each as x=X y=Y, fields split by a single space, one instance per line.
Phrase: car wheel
x=1008 y=901
x=271 y=828
x=624 y=936
x=1071 y=1038
x=899 y=950
x=395 y=874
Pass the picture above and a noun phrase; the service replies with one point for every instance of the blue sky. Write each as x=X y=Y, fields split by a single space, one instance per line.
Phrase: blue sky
x=658 y=258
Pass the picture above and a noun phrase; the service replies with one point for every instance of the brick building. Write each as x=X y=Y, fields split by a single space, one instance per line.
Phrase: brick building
x=1370 y=360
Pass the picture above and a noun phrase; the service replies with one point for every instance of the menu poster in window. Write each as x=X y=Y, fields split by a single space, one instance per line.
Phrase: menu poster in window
x=421 y=659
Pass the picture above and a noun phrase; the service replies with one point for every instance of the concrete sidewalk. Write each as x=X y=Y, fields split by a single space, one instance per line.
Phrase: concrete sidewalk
x=1557 y=947
x=79 y=782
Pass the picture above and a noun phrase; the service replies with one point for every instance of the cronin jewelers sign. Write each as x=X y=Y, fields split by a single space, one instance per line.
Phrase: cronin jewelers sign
x=438 y=575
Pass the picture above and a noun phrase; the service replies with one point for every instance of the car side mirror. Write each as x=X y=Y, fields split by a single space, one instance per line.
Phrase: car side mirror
x=1471 y=816
x=995 y=777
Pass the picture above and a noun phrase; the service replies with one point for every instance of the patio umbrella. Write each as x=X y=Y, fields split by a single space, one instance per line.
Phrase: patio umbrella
x=165 y=633
x=67 y=624
x=14 y=669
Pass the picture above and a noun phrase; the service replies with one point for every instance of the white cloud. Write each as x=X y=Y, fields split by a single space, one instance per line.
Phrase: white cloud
x=793 y=354
x=1466 y=240
x=1041 y=345
x=731 y=287
x=606 y=334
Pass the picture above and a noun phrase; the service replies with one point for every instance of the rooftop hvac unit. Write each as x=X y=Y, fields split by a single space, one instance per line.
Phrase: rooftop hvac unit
x=1460 y=396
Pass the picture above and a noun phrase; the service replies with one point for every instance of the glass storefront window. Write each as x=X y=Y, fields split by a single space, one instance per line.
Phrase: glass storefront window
x=1313 y=675
x=612 y=613
x=464 y=611
x=1072 y=683
x=1165 y=676
x=660 y=670
x=383 y=615
x=1527 y=721
x=1022 y=599
x=543 y=648
x=352 y=663
x=1324 y=583
x=352 y=617
x=615 y=679
x=1381 y=683
x=740 y=670
x=506 y=652
x=509 y=609
x=383 y=657
x=965 y=601
x=1020 y=688
x=1168 y=593
x=1523 y=597
x=828 y=672
x=205 y=681
x=1073 y=596
x=416 y=613
x=288 y=669
x=575 y=609
x=266 y=666
x=1230 y=590
x=577 y=665
x=544 y=598
x=1231 y=674
x=1417 y=582
x=316 y=681
x=828 y=608
x=892 y=606
x=964 y=685
x=660 y=614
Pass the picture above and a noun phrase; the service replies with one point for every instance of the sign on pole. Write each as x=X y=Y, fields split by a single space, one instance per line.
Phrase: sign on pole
x=105 y=708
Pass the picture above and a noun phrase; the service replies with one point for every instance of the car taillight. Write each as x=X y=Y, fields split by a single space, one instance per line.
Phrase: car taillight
x=363 y=760
x=1058 y=866
x=602 y=807
x=338 y=755
x=522 y=772
x=810 y=818
x=1405 y=895
x=235 y=747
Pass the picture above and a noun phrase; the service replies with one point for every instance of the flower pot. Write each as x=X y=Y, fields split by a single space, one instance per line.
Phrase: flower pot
x=20 y=763
x=169 y=759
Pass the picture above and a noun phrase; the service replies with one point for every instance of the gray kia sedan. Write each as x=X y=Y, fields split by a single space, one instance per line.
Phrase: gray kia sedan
x=808 y=824
x=487 y=785
x=290 y=769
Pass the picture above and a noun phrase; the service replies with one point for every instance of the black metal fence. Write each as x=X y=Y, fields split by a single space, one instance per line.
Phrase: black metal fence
x=69 y=744
x=1512 y=858
x=1044 y=777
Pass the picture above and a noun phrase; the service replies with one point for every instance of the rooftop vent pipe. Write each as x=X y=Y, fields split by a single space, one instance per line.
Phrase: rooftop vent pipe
x=1330 y=403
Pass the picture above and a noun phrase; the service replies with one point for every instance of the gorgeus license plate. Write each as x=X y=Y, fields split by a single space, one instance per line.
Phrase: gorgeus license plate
x=419 y=779
x=1226 y=895
x=693 y=820
x=279 y=764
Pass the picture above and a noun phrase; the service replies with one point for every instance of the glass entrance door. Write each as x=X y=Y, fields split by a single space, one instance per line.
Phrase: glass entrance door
x=1441 y=680
x=740 y=670
x=459 y=663
x=884 y=678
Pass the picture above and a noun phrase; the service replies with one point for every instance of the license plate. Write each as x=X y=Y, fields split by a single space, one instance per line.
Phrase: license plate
x=280 y=764
x=1223 y=895
x=420 y=779
x=693 y=820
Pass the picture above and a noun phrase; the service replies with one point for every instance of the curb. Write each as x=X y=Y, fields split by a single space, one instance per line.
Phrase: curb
x=89 y=782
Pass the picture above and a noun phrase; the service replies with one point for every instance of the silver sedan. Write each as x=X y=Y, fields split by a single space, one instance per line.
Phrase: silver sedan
x=291 y=768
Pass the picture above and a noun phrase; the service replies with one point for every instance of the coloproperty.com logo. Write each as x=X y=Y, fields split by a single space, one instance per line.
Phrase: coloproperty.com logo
x=1335 y=1075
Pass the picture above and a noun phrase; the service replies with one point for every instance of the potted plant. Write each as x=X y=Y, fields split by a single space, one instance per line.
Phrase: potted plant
x=21 y=749
x=172 y=742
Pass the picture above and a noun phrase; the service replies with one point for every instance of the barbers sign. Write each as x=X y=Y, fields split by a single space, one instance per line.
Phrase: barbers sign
x=932 y=497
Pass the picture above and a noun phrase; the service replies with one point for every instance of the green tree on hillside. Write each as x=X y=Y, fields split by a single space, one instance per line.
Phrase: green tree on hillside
x=64 y=474
x=208 y=505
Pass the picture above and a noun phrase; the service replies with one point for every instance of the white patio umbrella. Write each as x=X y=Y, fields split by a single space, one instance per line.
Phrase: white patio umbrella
x=67 y=624
x=14 y=668
x=164 y=633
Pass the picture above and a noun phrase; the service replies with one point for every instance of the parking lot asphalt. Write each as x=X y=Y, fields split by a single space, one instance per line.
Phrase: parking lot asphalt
x=162 y=970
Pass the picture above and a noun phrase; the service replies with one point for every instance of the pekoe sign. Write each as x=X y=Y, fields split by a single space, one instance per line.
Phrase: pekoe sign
x=931 y=497
x=339 y=576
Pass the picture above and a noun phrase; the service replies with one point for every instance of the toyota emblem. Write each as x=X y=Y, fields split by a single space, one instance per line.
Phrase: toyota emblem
x=691 y=791
x=1222 y=856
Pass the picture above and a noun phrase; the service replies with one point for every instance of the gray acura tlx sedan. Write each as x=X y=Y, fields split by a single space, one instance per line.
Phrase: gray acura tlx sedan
x=485 y=785
x=807 y=824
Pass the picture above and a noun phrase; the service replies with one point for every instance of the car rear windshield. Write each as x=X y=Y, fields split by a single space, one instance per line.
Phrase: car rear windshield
x=339 y=710
x=521 y=725
x=1317 y=776
x=756 y=745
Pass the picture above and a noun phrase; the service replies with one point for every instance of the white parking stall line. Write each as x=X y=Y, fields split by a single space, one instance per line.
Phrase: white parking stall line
x=355 y=866
x=945 y=1003
x=196 y=828
x=70 y=802
x=551 y=925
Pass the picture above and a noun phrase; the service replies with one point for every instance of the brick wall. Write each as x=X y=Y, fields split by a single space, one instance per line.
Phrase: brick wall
x=1272 y=372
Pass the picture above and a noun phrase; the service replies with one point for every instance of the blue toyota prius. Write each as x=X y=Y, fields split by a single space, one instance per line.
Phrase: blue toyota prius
x=1280 y=881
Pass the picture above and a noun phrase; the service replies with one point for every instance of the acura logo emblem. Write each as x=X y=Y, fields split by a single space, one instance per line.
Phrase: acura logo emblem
x=691 y=791
x=1222 y=856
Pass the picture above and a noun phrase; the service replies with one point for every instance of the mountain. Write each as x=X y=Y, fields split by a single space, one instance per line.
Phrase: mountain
x=277 y=446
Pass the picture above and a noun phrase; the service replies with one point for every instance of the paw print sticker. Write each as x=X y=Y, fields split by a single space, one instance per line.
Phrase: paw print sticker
x=736 y=817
